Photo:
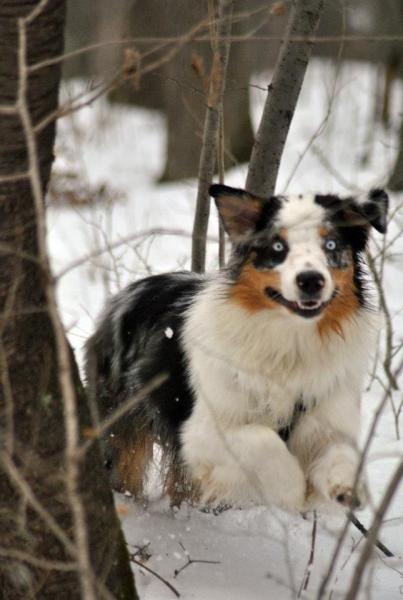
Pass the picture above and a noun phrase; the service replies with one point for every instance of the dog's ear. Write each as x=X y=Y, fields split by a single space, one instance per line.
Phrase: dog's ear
x=375 y=208
x=372 y=210
x=354 y=216
x=239 y=210
x=358 y=212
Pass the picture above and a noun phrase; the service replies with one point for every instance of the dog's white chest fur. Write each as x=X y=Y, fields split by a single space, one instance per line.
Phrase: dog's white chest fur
x=272 y=360
x=253 y=368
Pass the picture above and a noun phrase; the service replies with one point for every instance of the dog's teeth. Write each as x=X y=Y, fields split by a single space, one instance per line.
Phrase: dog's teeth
x=310 y=306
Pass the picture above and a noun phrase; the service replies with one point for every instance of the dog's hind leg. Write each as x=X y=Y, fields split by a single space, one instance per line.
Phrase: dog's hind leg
x=133 y=458
x=178 y=485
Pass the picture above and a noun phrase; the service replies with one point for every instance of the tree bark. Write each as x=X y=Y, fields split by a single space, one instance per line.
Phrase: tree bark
x=282 y=97
x=396 y=178
x=40 y=545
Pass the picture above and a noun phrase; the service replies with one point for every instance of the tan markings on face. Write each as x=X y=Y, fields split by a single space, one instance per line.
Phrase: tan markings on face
x=343 y=306
x=283 y=233
x=249 y=290
x=323 y=231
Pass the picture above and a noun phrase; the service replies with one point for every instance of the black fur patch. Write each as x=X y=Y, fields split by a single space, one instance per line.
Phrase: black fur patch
x=273 y=253
x=138 y=338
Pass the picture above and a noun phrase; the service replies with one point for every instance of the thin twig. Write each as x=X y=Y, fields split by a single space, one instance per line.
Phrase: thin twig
x=157 y=575
x=123 y=409
x=192 y=561
x=307 y=573
x=362 y=529
x=122 y=241
x=343 y=534
x=373 y=532
x=208 y=153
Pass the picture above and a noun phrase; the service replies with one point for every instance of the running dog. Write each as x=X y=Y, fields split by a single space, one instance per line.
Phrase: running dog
x=260 y=365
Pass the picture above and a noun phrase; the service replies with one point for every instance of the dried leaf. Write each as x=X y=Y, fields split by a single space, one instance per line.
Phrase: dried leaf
x=278 y=9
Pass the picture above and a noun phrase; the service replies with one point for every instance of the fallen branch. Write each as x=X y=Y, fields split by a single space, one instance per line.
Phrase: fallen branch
x=362 y=529
x=308 y=569
x=157 y=575
x=192 y=561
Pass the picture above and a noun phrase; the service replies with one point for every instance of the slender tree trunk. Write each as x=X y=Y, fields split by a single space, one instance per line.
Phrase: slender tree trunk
x=42 y=551
x=396 y=178
x=208 y=153
x=282 y=97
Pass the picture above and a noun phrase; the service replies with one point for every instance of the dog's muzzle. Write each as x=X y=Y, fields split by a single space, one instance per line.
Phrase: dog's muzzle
x=310 y=285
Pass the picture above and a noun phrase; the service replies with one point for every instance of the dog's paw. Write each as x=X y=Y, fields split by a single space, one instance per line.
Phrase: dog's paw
x=333 y=476
x=348 y=496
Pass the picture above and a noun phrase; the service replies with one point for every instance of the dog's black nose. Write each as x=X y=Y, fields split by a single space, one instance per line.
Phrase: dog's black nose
x=310 y=282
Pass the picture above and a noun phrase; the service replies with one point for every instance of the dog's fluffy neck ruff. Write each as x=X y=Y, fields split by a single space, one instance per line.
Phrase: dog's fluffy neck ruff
x=263 y=341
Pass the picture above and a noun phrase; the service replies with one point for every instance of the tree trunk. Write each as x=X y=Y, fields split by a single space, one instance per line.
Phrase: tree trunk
x=396 y=178
x=41 y=548
x=282 y=97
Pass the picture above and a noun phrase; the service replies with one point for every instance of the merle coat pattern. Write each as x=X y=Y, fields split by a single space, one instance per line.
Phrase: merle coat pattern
x=264 y=360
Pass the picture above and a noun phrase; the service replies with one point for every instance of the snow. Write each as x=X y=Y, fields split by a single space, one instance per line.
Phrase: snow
x=334 y=146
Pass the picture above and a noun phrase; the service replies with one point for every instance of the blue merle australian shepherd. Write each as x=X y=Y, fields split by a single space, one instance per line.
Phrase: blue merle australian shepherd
x=264 y=360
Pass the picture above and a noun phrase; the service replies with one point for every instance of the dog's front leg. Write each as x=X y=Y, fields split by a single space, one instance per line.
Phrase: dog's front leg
x=248 y=462
x=325 y=441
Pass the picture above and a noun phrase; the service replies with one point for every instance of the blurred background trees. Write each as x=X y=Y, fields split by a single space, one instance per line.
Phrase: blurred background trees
x=363 y=30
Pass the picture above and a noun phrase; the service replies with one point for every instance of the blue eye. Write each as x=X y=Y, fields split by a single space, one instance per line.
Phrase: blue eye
x=278 y=246
x=330 y=245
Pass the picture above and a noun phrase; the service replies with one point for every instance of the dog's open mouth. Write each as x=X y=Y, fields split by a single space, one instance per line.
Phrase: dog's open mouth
x=303 y=308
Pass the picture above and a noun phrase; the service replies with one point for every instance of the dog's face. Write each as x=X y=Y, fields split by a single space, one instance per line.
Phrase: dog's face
x=300 y=253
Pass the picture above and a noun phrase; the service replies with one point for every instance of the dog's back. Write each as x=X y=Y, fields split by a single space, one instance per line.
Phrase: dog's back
x=137 y=343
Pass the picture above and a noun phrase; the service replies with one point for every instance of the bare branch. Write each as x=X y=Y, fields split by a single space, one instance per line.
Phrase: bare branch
x=307 y=573
x=157 y=575
x=211 y=126
x=122 y=241
x=373 y=532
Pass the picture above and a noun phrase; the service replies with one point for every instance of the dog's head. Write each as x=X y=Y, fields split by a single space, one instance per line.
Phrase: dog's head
x=301 y=253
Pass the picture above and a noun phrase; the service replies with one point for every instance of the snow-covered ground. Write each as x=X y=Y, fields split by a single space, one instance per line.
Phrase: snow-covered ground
x=257 y=552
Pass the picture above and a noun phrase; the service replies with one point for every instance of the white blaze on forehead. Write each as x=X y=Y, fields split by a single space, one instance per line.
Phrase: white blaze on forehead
x=302 y=218
x=300 y=212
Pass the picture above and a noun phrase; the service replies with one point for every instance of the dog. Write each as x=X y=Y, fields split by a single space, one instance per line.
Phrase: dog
x=263 y=361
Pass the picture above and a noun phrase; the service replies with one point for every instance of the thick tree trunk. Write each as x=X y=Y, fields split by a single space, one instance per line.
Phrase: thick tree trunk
x=40 y=545
x=282 y=97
